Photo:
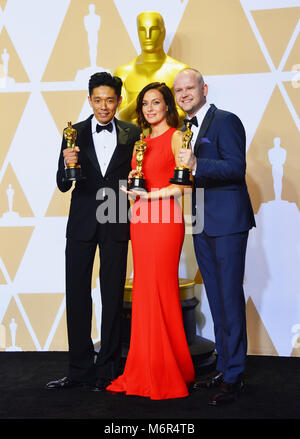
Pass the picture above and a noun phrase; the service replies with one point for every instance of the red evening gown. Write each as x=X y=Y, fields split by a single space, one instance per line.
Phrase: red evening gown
x=158 y=364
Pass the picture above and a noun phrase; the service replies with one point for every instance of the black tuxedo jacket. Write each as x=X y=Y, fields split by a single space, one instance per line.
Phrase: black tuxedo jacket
x=82 y=221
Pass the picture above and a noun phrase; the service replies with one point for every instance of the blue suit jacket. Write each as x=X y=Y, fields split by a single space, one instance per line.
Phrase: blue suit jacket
x=220 y=149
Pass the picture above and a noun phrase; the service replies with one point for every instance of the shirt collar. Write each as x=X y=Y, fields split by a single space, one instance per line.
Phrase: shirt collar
x=95 y=123
x=201 y=113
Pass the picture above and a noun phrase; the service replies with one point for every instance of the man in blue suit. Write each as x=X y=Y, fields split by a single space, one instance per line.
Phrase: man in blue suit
x=217 y=161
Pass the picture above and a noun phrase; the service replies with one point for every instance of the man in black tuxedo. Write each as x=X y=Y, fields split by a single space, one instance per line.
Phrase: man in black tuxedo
x=104 y=149
x=218 y=162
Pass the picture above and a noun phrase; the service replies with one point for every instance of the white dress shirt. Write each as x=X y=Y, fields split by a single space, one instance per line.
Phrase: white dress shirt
x=200 y=116
x=105 y=144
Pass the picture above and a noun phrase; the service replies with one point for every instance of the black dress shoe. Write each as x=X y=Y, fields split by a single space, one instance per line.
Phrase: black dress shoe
x=100 y=386
x=64 y=383
x=213 y=380
x=227 y=393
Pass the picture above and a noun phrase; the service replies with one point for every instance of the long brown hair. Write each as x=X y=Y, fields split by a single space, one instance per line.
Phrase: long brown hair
x=172 y=116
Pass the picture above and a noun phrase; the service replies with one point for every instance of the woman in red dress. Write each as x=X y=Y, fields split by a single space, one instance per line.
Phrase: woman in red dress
x=159 y=363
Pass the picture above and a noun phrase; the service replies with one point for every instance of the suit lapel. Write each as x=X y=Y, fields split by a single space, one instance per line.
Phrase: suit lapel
x=120 y=150
x=204 y=127
x=122 y=132
x=87 y=141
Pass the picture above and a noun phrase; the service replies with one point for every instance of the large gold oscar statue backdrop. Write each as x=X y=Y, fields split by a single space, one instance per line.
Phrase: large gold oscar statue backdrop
x=152 y=65
x=248 y=52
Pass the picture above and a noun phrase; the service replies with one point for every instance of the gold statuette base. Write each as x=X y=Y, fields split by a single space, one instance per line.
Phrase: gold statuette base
x=73 y=174
x=181 y=176
x=137 y=184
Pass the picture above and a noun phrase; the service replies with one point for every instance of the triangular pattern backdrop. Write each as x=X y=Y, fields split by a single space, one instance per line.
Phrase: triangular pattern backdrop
x=248 y=52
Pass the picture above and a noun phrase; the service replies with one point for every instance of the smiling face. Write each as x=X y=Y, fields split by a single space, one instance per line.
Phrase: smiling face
x=190 y=91
x=104 y=103
x=154 y=107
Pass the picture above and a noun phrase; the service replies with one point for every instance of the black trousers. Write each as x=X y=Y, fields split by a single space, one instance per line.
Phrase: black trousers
x=80 y=257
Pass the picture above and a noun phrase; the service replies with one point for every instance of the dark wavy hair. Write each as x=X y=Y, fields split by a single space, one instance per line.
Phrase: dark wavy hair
x=172 y=116
x=105 y=78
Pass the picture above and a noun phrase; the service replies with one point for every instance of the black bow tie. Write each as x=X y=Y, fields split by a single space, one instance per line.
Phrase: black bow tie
x=193 y=121
x=107 y=127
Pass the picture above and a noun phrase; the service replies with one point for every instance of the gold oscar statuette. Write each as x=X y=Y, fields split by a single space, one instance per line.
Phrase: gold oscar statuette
x=181 y=173
x=138 y=182
x=73 y=171
x=151 y=65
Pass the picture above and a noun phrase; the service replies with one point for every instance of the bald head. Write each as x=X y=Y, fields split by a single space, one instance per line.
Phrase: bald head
x=193 y=73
